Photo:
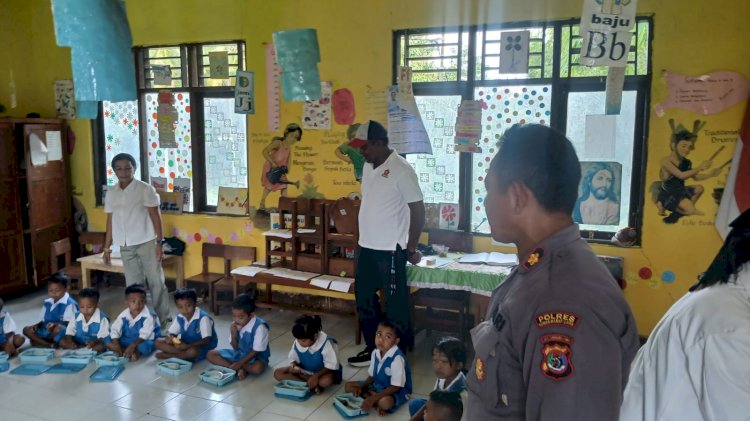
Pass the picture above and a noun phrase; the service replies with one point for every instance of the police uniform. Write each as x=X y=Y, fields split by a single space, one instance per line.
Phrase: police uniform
x=557 y=341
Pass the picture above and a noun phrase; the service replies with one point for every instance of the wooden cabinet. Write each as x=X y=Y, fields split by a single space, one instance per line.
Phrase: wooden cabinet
x=35 y=203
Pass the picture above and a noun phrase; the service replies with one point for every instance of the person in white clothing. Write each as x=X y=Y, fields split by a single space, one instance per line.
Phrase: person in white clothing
x=694 y=365
x=134 y=224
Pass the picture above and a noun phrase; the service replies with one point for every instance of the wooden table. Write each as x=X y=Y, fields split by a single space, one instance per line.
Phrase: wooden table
x=96 y=262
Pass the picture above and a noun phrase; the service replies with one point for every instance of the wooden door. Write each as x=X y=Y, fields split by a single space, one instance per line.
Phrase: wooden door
x=48 y=193
x=12 y=261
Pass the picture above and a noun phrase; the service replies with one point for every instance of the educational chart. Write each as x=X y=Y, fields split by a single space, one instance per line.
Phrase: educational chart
x=705 y=94
x=406 y=131
x=244 y=93
x=316 y=115
x=273 y=89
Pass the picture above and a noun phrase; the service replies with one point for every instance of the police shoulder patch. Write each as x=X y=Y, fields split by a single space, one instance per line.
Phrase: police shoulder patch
x=556 y=318
x=557 y=356
x=479 y=369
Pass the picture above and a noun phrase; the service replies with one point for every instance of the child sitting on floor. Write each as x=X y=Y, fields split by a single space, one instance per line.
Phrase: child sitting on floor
x=389 y=383
x=191 y=334
x=313 y=354
x=90 y=328
x=9 y=340
x=448 y=360
x=136 y=327
x=249 y=339
x=444 y=406
x=57 y=311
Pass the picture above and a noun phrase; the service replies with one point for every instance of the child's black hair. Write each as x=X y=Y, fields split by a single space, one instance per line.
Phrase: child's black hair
x=306 y=327
x=244 y=302
x=89 y=293
x=59 y=278
x=448 y=405
x=452 y=348
x=2 y=304
x=388 y=323
x=135 y=289
x=186 y=294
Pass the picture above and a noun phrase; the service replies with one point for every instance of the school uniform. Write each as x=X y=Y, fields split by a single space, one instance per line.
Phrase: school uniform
x=62 y=311
x=82 y=331
x=128 y=329
x=200 y=326
x=457 y=385
x=321 y=354
x=391 y=369
x=252 y=337
x=7 y=325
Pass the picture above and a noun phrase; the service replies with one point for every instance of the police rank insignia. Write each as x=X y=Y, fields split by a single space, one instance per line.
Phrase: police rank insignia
x=479 y=369
x=557 y=361
x=534 y=258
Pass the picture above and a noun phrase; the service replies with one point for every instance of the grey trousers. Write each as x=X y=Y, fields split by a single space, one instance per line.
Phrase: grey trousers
x=141 y=265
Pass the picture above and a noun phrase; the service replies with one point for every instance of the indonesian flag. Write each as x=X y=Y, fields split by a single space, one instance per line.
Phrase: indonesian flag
x=736 y=197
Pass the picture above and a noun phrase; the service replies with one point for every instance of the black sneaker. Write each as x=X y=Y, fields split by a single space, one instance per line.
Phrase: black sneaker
x=362 y=359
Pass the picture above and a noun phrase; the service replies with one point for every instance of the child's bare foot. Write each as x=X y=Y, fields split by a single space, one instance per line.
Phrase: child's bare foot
x=241 y=374
x=317 y=390
x=382 y=412
x=136 y=355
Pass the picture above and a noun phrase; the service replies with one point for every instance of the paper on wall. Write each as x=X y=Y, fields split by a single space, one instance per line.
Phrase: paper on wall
x=65 y=101
x=706 y=94
x=316 y=114
x=182 y=185
x=601 y=131
x=54 y=145
x=244 y=93
x=162 y=75
x=406 y=131
x=376 y=105
x=38 y=150
x=514 y=52
x=273 y=89
x=159 y=183
x=218 y=62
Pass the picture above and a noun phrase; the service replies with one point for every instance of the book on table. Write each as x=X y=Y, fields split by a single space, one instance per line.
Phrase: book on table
x=493 y=259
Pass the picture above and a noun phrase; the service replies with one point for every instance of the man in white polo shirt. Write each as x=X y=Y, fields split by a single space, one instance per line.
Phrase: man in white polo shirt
x=134 y=224
x=391 y=218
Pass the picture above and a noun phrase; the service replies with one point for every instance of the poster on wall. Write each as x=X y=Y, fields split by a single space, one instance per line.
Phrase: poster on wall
x=162 y=75
x=182 y=185
x=343 y=106
x=232 y=200
x=316 y=115
x=599 y=190
x=273 y=89
x=159 y=183
x=376 y=105
x=218 y=64
x=468 y=126
x=171 y=202
x=605 y=29
x=449 y=215
x=65 y=99
x=406 y=131
x=514 y=52
x=166 y=119
x=706 y=94
x=676 y=197
x=601 y=132
x=244 y=94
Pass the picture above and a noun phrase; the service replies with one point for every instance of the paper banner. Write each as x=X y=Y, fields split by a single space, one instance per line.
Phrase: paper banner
x=232 y=200
x=601 y=132
x=38 y=150
x=159 y=183
x=316 y=115
x=244 y=93
x=406 y=131
x=166 y=117
x=218 y=64
x=468 y=126
x=707 y=94
x=514 y=52
x=162 y=75
x=170 y=202
x=182 y=185
x=609 y=15
x=376 y=105
x=273 y=88
x=615 y=83
x=54 y=145
x=65 y=102
x=343 y=106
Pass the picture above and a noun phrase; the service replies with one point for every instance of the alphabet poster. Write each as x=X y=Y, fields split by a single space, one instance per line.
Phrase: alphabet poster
x=605 y=29
x=244 y=95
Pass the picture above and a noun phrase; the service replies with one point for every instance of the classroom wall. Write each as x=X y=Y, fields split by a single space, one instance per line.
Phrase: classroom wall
x=356 y=41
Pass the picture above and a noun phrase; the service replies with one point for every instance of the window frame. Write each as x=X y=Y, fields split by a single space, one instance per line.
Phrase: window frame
x=561 y=87
x=192 y=83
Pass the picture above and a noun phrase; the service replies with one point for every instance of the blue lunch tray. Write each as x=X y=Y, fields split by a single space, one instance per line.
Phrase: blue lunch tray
x=108 y=359
x=217 y=375
x=174 y=366
x=77 y=356
x=4 y=367
x=292 y=389
x=65 y=368
x=3 y=357
x=31 y=369
x=106 y=373
x=349 y=412
x=36 y=355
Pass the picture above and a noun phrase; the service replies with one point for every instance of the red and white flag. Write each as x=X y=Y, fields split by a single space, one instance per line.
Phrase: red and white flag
x=736 y=197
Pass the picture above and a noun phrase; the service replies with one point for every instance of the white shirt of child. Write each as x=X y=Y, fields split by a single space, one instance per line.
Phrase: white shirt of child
x=206 y=324
x=147 y=330
x=260 y=342
x=9 y=325
x=440 y=383
x=330 y=356
x=131 y=223
x=72 y=328
x=70 y=310
x=397 y=372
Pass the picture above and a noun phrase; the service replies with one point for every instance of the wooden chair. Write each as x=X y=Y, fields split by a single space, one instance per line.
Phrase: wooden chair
x=206 y=278
x=343 y=234
x=71 y=268
x=229 y=285
x=286 y=250
x=310 y=241
x=93 y=239
x=441 y=309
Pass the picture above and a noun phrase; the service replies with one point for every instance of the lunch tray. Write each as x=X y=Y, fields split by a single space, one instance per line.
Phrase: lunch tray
x=66 y=368
x=106 y=373
x=347 y=412
x=174 y=366
x=31 y=369
x=36 y=355
x=209 y=375
x=109 y=359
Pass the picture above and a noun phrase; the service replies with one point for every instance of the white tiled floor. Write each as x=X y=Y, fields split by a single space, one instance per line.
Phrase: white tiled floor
x=142 y=393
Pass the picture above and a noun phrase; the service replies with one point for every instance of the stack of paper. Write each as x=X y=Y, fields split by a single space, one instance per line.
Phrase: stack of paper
x=492 y=259
x=248 y=270
x=278 y=233
x=297 y=275
x=335 y=283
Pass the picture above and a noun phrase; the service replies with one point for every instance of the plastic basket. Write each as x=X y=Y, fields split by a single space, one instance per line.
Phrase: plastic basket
x=106 y=373
x=292 y=388
x=217 y=375
x=77 y=356
x=36 y=355
x=349 y=405
x=109 y=359
x=174 y=366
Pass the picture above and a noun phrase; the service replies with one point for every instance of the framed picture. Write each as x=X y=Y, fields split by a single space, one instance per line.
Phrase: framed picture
x=599 y=193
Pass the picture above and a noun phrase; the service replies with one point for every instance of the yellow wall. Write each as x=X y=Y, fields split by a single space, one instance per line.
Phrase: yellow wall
x=355 y=40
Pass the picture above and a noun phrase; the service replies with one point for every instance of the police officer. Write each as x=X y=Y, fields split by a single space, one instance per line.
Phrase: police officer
x=558 y=337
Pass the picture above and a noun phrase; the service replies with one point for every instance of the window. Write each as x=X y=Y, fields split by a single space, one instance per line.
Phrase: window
x=452 y=64
x=210 y=139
